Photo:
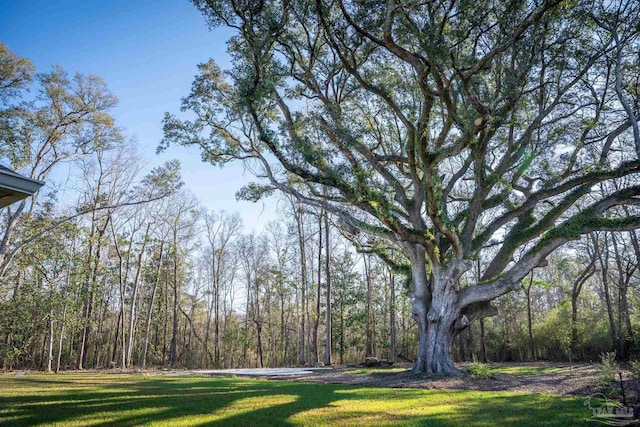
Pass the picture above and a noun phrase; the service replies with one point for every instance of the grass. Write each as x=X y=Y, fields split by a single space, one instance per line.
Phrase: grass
x=161 y=400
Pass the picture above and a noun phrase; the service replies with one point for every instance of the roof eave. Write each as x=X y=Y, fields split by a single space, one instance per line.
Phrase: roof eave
x=16 y=186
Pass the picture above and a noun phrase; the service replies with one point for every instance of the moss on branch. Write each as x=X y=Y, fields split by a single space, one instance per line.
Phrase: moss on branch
x=585 y=222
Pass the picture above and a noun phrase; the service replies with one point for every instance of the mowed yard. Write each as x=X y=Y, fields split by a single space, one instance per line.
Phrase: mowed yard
x=96 y=399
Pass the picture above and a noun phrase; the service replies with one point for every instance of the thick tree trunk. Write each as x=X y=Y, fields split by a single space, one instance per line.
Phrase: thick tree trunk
x=436 y=311
x=436 y=334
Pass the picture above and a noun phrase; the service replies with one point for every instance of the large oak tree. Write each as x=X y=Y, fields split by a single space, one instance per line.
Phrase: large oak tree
x=446 y=131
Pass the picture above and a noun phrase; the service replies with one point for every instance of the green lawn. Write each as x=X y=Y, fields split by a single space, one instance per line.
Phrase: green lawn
x=163 y=400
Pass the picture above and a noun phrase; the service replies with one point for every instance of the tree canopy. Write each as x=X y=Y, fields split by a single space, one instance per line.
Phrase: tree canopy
x=447 y=131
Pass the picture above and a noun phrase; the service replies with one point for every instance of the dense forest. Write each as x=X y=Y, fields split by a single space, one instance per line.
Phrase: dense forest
x=123 y=268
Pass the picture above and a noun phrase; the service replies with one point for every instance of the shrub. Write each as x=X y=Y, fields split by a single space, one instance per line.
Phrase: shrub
x=607 y=375
x=609 y=367
x=481 y=370
x=634 y=367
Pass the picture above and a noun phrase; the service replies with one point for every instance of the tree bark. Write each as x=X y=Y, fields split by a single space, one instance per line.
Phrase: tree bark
x=368 y=348
x=50 y=344
x=532 y=348
x=316 y=316
x=260 y=351
x=134 y=296
x=145 y=343
x=342 y=330
x=173 y=348
x=12 y=219
x=165 y=319
x=483 y=345
x=90 y=289
x=625 y=272
x=604 y=264
x=435 y=327
x=204 y=362
x=436 y=311
x=61 y=337
x=122 y=277
x=392 y=317
x=216 y=326
x=116 y=335
x=575 y=294
x=303 y=285
x=327 y=359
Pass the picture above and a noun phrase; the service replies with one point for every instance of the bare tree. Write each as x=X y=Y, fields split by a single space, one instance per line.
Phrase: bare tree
x=222 y=230
x=181 y=221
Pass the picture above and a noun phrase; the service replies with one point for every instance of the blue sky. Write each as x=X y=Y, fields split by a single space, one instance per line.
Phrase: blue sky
x=147 y=52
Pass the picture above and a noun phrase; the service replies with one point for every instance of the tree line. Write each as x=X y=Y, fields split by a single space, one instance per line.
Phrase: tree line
x=168 y=284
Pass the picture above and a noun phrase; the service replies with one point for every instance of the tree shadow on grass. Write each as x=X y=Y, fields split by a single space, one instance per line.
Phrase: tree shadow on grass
x=227 y=401
x=123 y=402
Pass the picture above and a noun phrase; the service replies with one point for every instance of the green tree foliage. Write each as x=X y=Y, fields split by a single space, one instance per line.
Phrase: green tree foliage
x=67 y=118
x=453 y=131
x=15 y=73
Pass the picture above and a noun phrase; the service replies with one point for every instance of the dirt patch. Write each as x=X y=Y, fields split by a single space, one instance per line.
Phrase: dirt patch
x=576 y=380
